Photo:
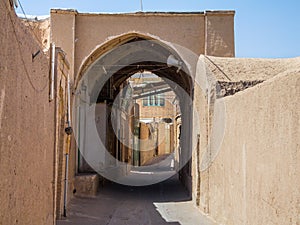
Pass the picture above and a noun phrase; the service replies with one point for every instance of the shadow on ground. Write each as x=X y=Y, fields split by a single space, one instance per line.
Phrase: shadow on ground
x=163 y=203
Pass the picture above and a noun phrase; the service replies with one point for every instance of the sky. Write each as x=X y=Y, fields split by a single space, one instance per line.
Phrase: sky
x=263 y=28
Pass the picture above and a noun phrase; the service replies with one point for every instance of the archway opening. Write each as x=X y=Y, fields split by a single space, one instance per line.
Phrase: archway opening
x=115 y=113
x=145 y=115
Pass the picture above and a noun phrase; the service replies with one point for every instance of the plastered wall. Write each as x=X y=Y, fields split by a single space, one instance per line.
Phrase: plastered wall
x=219 y=34
x=26 y=127
x=255 y=177
x=79 y=34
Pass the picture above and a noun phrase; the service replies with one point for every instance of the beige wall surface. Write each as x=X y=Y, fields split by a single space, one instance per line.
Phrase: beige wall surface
x=147 y=144
x=255 y=177
x=219 y=34
x=79 y=34
x=93 y=30
x=26 y=127
x=62 y=34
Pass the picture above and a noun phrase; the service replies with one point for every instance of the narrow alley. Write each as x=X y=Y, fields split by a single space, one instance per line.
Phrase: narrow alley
x=163 y=203
x=148 y=117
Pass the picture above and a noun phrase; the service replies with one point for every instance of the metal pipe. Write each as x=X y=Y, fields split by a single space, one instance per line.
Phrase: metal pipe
x=69 y=102
x=52 y=72
x=66 y=177
x=68 y=130
x=78 y=138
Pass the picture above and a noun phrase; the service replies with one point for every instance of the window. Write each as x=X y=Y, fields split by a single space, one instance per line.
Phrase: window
x=154 y=100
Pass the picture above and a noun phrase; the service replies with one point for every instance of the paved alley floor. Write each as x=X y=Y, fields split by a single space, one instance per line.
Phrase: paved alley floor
x=163 y=203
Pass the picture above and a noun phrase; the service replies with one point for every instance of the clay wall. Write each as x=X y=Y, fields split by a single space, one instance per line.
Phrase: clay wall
x=27 y=128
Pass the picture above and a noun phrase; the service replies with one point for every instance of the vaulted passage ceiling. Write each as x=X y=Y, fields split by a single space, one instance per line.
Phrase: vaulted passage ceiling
x=134 y=56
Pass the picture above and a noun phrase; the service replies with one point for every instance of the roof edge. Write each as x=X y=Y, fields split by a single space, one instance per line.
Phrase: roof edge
x=208 y=12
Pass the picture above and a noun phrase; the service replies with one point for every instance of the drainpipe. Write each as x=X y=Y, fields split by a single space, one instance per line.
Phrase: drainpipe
x=69 y=102
x=66 y=177
x=51 y=97
x=68 y=131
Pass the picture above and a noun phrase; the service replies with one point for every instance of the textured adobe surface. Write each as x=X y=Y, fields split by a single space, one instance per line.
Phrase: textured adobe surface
x=254 y=178
x=26 y=127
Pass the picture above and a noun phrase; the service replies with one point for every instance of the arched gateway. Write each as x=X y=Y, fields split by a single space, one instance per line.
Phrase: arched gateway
x=102 y=131
x=108 y=55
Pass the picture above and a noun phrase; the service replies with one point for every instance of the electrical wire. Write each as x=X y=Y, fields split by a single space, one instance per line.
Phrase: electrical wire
x=21 y=55
x=212 y=62
x=32 y=28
